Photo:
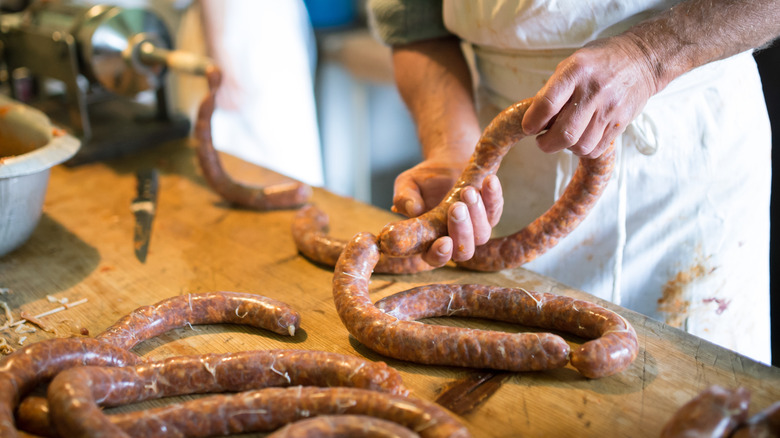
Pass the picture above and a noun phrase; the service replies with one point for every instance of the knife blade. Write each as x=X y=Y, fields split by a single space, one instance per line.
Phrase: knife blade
x=144 y=207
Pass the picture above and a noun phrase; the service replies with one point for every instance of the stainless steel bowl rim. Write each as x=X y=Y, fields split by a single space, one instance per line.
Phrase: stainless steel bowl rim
x=59 y=147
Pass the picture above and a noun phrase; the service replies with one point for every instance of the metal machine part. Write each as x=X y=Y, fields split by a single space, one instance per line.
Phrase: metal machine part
x=95 y=52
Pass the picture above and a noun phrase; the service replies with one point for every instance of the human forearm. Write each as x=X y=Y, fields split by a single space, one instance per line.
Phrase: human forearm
x=435 y=83
x=697 y=32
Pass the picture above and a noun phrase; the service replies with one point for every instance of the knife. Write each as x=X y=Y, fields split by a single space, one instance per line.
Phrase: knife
x=143 y=207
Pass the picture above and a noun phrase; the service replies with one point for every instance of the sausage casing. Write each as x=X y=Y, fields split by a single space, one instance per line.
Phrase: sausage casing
x=206 y=308
x=357 y=426
x=310 y=228
x=271 y=408
x=277 y=196
x=613 y=348
x=715 y=412
x=36 y=363
x=415 y=235
x=425 y=343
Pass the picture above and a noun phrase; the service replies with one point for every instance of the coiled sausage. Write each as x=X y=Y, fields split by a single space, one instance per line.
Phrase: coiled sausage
x=430 y=344
x=36 y=363
x=613 y=348
x=76 y=413
x=278 y=196
x=415 y=235
x=142 y=324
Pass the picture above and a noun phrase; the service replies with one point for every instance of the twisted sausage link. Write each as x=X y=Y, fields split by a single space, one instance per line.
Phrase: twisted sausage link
x=310 y=228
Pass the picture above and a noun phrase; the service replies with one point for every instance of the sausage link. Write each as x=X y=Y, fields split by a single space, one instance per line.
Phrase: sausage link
x=240 y=371
x=613 y=348
x=36 y=363
x=764 y=424
x=415 y=235
x=278 y=196
x=32 y=416
x=206 y=308
x=269 y=409
x=715 y=412
x=589 y=181
x=356 y=426
x=310 y=232
x=147 y=322
x=425 y=343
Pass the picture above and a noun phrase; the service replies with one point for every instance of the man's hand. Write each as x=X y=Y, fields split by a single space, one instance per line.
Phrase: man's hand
x=469 y=222
x=591 y=97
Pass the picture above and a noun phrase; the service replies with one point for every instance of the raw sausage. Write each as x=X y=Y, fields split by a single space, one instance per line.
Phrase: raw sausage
x=613 y=348
x=589 y=181
x=259 y=410
x=36 y=363
x=425 y=343
x=205 y=308
x=343 y=425
x=715 y=412
x=278 y=196
x=765 y=424
x=310 y=228
x=147 y=322
x=72 y=390
x=415 y=235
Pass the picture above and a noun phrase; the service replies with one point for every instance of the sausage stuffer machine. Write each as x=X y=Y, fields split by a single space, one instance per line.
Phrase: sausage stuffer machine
x=97 y=70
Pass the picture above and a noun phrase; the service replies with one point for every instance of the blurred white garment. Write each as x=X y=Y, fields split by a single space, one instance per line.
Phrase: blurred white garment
x=266 y=112
x=681 y=233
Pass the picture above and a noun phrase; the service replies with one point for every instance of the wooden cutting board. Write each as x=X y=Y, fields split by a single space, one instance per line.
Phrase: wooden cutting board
x=82 y=249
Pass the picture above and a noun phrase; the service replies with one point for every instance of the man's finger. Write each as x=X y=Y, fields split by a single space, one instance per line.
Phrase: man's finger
x=461 y=230
x=493 y=198
x=439 y=253
x=408 y=201
x=479 y=219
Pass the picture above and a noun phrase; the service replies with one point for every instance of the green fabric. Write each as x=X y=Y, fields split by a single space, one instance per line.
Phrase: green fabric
x=406 y=21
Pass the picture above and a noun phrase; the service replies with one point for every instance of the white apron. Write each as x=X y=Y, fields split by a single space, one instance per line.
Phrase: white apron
x=269 y=49
x=681 y=233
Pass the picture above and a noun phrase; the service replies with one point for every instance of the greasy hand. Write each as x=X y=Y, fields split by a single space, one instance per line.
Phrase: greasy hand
x=591 y=97
x=469 y=222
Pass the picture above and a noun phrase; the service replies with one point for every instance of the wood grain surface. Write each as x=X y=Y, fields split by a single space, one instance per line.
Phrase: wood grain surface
x=83 y=248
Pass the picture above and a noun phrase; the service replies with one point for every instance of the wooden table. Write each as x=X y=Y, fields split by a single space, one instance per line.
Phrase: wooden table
x=83 y=248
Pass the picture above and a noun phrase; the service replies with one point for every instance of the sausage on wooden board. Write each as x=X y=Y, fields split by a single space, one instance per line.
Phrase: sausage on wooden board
x=76 y=413
x=613 y=347
x=426 y=343
x=276 y=196
x=310 y=232
x=715 y=412
x=221 y=307
x=356 y=426
x=139 y=325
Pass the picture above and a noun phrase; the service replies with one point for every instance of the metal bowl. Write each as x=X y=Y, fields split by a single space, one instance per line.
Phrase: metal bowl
x=29 y=147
